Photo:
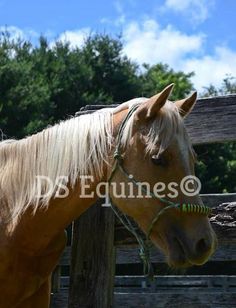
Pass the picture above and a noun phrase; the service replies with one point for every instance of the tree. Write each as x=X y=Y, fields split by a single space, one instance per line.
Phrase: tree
x=24 y=94
x=42 y=84
x=157 y=77
x=114 y=77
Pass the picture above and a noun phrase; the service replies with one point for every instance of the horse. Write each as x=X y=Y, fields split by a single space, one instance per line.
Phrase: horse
x=153 y=147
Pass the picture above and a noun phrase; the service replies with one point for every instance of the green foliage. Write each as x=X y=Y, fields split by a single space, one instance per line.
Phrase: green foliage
x=157 y=77
x=217 y=167
x=113 y=77
x=24 y=94
x=40 y=85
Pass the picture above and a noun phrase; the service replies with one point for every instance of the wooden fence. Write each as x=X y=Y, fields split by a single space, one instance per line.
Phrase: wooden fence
x=99 y=243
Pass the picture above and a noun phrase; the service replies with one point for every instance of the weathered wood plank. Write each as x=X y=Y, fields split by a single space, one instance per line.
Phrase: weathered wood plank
x=223 y=222
x=177 y=298
x=93 y=261
x=212 y=119
x=170 y=300
x=228 y=283
x=172 y=281
x=214 y=200
x=130 y=255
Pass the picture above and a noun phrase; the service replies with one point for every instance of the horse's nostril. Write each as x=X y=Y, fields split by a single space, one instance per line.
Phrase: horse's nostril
x=202 y=246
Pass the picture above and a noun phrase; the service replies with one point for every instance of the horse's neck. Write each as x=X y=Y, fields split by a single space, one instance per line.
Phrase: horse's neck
x=38 y=231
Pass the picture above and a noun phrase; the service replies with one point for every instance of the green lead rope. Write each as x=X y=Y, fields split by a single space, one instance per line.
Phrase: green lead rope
x=144 y=245
x=195 y=208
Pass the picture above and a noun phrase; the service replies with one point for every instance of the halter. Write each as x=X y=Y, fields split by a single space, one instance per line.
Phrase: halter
x=125 y=220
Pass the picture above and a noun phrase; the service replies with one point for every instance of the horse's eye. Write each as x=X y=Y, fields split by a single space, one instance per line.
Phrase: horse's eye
x=159 y=160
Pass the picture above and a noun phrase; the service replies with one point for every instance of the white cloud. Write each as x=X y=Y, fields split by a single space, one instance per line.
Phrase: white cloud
x=148 y=42
x=197 y=10
x=212 y=68
x=75 y=38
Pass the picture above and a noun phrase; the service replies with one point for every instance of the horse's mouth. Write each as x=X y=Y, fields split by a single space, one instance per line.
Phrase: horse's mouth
x=179 y=255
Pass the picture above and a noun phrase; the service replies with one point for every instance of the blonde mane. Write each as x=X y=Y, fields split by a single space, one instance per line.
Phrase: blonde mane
x=78 y=146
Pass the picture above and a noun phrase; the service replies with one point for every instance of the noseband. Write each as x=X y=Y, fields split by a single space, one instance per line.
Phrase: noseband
x=182 y=207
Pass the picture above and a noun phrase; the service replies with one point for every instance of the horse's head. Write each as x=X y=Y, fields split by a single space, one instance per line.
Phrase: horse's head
x=153 y=147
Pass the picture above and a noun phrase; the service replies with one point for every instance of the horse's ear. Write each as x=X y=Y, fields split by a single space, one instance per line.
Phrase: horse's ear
x=186 y=105
x=150 y=108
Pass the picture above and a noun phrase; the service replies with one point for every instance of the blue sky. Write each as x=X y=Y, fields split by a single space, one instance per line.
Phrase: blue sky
x=189 y=35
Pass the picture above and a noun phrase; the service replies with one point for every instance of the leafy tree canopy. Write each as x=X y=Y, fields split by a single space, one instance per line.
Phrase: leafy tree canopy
x=157 y=77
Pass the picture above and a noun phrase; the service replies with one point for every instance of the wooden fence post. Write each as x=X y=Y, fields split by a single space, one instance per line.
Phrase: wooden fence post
x=93 y=259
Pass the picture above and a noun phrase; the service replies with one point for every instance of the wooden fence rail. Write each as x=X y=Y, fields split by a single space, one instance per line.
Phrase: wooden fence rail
x=211 y=120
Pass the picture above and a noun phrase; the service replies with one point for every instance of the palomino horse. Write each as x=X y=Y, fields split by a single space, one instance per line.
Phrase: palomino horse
x=154 y=147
